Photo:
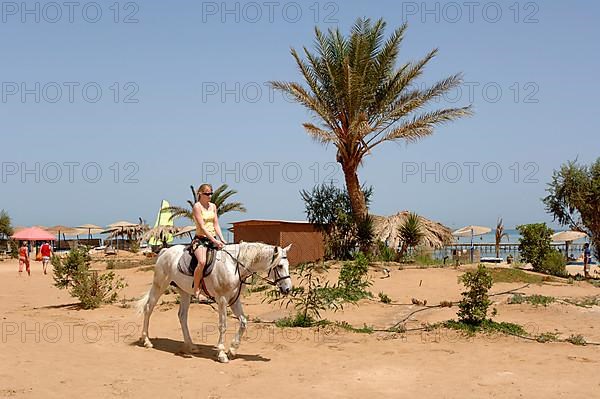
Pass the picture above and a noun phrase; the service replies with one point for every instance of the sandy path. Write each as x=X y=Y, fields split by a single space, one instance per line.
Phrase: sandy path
x=49 y=348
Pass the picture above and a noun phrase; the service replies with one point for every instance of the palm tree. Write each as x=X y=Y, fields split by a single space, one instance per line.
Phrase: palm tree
x=410 y=232
x=362 y=99
x=219 y=198
x=499 y=235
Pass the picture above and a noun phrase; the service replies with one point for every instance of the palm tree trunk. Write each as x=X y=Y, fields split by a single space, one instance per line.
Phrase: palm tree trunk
x=357 y=197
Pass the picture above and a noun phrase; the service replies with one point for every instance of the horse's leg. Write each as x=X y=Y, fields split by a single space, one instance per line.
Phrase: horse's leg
x=222 y=302
x=184 y=306
x=238 y=310
x=158 y=288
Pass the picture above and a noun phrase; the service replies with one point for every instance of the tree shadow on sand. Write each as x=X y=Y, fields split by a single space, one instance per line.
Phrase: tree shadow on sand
x=200 y=351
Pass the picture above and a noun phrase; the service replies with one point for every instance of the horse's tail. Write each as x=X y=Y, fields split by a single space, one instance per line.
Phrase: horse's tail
x=141 y=303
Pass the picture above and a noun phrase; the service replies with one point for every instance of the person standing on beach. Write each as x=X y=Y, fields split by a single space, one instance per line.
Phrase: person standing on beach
x=208 y=231
x=24 y=258
x=587 y=257
x=46 y=251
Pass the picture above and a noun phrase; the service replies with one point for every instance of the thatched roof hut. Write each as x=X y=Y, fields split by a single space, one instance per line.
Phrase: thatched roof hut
x=436 y=235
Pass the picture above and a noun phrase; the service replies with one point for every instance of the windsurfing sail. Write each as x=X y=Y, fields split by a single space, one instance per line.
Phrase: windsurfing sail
x=163 y=219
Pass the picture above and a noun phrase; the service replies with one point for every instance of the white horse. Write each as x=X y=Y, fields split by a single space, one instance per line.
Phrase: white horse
x=233 y=265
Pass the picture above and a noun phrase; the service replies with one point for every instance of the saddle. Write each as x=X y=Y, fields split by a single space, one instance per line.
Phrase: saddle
x=188 y=262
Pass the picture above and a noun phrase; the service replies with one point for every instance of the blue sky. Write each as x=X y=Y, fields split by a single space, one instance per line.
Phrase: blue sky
x=100 y=120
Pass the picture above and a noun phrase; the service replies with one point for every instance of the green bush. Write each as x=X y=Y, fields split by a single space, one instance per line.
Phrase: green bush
x=385 y=253
x=328 y=208
x=555 y=264
x=534 y=244
x=475 y=302
x=91 y=288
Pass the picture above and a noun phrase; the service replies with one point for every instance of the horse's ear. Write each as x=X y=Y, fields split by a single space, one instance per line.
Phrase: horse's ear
x=286 y=249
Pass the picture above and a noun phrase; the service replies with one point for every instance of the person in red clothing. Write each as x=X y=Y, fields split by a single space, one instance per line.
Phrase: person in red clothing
x=24 y=258
x=46 y=251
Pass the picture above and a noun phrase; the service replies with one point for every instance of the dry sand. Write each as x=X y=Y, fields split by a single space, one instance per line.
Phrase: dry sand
x=50 y=348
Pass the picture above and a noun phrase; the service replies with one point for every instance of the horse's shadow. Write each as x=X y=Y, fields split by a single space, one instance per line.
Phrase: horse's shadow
x=200 y=351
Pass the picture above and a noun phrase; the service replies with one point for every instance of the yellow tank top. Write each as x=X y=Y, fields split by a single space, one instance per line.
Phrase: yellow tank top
x=209 y=223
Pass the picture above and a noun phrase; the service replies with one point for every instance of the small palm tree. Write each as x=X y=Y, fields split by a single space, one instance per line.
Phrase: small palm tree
x=219 y=198
x=410 y=233
x=499 y=235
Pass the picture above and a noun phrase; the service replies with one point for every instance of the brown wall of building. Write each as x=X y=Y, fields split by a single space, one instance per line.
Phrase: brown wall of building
x=266 y=234
x=307 y=246
x=307 y=243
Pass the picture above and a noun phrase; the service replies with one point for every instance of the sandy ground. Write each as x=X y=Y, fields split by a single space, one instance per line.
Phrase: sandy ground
x=50 y=348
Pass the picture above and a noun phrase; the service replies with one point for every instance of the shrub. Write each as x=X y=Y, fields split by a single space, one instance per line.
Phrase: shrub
x=555 y=264
x=308 y=297
x=328 y=207
x=534 y=244
x=385 y=253
x=475 y=302
x=384 y=298
x=91 y=288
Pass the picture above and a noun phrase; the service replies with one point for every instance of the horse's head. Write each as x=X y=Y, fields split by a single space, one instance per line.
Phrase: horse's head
x=280 y=270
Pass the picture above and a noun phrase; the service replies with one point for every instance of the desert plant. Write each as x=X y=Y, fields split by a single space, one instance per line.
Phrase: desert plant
x=307 y=297
x=410 y=233
x=384 y=298
x=328 y=208
x=90 y=287
x=475 y=302
x=534 y=244
x=385 y=253
x=554 y=263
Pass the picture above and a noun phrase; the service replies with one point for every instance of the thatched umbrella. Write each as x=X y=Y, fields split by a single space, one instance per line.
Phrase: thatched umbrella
x=65 y=230
x=385 y=228
x=122 y=228
x=91 y=229
x=161 y=233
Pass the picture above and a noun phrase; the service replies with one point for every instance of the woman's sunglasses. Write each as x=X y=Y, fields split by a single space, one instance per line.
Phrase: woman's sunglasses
x=208 y=194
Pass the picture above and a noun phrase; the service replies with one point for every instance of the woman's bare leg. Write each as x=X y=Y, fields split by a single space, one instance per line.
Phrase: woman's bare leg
x=201 y=256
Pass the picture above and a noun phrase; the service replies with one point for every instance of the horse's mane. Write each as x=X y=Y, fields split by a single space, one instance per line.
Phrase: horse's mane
x=252 y=253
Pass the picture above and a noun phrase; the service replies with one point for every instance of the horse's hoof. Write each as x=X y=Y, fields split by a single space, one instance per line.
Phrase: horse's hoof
x=148 y=344
x=223 y=358
x=232 y=353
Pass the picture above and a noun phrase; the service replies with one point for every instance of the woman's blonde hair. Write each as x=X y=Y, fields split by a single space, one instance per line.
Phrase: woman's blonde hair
x=202 y=187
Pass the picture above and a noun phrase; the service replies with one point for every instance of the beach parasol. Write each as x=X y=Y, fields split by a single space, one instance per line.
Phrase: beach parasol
x=120 y=225
x=471 y=231
x=91 y=229
x=567 y=237
x=65 y=230
x=33 y=234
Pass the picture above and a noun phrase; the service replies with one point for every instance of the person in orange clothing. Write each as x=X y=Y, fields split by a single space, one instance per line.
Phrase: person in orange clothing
x=46 y=251
x=24 y=258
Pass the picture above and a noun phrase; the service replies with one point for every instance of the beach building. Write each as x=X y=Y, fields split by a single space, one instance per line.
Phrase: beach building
x=307 y=242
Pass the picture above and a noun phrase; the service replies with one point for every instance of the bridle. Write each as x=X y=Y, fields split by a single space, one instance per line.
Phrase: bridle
x=273 y=269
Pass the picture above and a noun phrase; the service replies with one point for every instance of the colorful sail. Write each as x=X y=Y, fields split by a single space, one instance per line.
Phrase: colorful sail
x=163 y=219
